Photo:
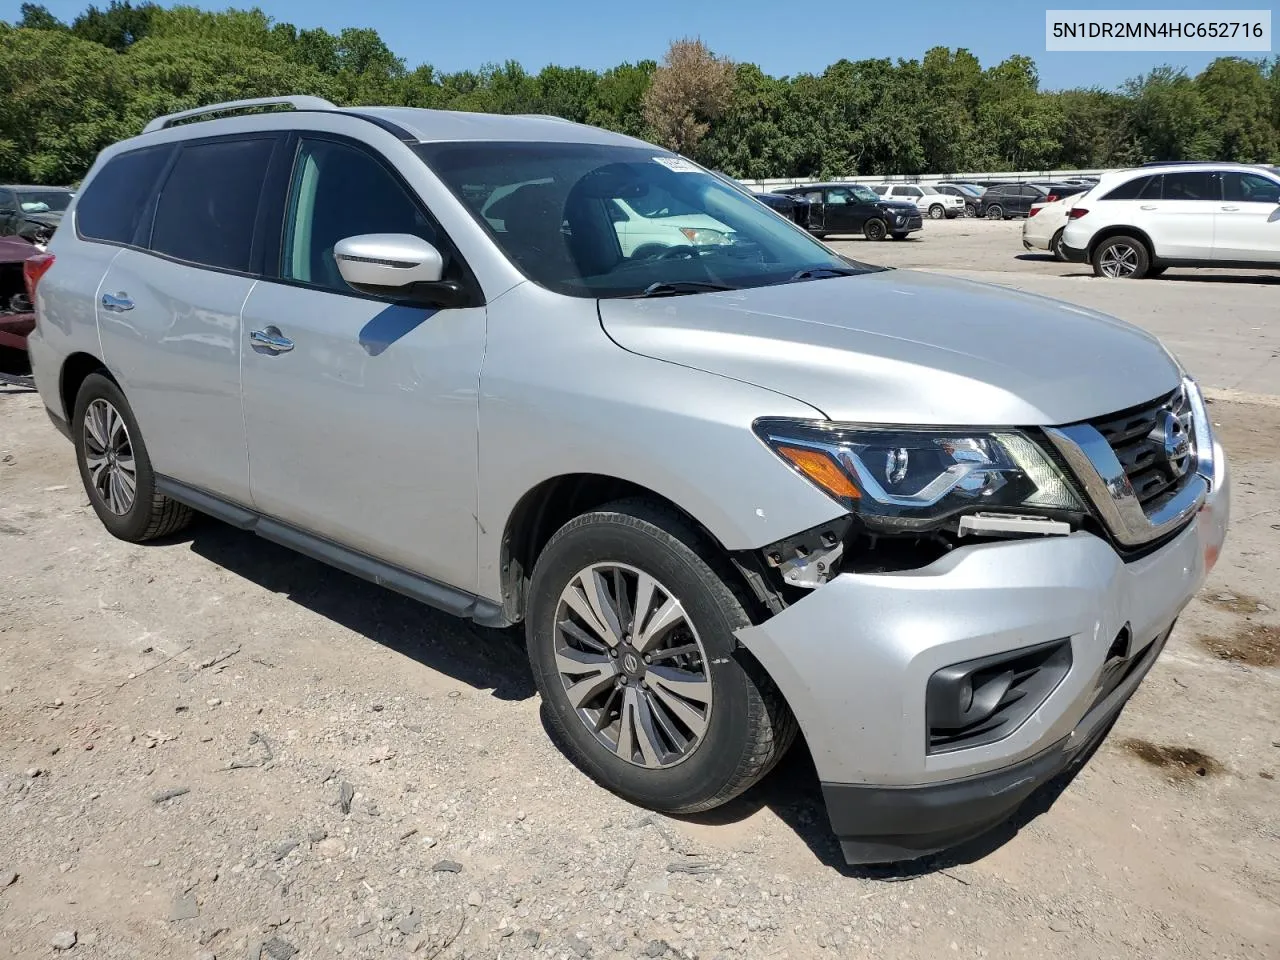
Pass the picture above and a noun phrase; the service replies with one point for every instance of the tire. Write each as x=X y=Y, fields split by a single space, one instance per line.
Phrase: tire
x=1055 y=247
x=937 y=212
x=995 y=212
x=1121 y=258
x=146 y=514
x=748 y=726
x=875 y=229
x=821 y=236
x=970 y=210
x=899 y=236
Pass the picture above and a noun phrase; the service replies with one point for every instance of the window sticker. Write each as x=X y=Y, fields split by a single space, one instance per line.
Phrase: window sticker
x=677 y=164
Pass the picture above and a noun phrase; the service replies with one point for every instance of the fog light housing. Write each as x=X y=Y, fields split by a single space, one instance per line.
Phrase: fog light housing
x=977 y=702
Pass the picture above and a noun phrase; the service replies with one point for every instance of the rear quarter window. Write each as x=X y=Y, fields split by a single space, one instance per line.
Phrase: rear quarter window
x=112 y=203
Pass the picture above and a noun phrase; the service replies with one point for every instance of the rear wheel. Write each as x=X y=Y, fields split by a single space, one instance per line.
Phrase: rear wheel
x=115 y=467
x=1121 y=258
x=630 y=630
x=937 y=211
x=995 y=212
x=1055 y=247
x=875 y=229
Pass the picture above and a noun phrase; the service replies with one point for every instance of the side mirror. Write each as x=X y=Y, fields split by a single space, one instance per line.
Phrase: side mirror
x=397 y=265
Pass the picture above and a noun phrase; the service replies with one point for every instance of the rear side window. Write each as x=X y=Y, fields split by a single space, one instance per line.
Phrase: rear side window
x=112 y=204
x=1136 y=189
x=209 y=204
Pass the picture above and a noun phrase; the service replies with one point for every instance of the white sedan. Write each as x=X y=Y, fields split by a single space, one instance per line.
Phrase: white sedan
x=1042 y=230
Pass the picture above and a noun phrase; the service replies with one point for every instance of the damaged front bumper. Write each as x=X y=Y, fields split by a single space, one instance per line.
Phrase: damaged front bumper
x=855 y=657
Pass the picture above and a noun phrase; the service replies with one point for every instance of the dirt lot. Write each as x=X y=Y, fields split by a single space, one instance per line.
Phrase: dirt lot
x=211 y=746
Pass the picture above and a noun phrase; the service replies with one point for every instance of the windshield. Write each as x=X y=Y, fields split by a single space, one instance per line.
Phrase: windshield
x=595 y=220
x=44 y=201
x=926 y=189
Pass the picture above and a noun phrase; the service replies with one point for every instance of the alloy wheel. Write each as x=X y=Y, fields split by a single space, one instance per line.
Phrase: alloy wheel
x=632 y=665
x=1119 y=260
x=108 y=455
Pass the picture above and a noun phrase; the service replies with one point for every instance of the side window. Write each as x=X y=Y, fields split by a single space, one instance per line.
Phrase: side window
x=341 y=191
x=209 y=205
x=838 y=196
x=913 y=192
x=881 y=190
x=7 y=203
x=1130 y=190
x=1191 y=185
x=1249 y=188
x=813 y=196
x=113 y=202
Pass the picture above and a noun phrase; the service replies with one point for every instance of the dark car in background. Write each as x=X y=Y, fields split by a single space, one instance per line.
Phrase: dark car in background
x=32 y=213
x=970 y=193
x=1006 y=200
x=855 y=208
x=16 y=316
x=793 y=208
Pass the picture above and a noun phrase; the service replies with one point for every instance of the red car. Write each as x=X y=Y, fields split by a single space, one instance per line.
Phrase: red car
x=16 y=316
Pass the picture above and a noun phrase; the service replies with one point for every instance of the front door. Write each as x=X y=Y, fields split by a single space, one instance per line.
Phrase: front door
x=1247 y=226
x=361 y=413
x=841 y=211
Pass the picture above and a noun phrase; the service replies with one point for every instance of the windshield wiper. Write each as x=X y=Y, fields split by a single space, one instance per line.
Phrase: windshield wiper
x=818 y=273
x=675 y=288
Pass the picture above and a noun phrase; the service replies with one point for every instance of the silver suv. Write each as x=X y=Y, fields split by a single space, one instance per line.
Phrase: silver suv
x=734 y=485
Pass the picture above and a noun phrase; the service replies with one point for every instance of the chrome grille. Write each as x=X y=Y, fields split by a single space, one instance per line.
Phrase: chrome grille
x=1138 y=438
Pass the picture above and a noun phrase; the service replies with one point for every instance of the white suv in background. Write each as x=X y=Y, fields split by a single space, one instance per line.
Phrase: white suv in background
x=932 y=202
x=1140 y=222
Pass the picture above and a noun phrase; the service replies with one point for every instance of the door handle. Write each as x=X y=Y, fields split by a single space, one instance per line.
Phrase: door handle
x=1147 y=206
x=1233 y=209
x=117 y=303
x=270 y=339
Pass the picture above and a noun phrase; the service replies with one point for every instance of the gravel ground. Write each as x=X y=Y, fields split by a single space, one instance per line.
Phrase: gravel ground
x=213 y=747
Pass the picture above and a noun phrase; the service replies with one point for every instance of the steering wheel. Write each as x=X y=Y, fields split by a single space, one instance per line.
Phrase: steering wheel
x=683 y=251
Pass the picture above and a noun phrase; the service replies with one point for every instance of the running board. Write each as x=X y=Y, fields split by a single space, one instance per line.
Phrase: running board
x=420 y=588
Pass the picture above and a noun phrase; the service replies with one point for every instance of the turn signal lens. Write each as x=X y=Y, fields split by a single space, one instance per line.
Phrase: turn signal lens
x=822 y=470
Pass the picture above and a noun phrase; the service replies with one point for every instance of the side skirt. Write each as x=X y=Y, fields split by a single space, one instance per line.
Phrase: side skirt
x=420 y=588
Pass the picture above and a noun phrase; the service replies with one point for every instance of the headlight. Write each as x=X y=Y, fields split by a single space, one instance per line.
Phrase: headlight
x=705 y=236
x=912 y=479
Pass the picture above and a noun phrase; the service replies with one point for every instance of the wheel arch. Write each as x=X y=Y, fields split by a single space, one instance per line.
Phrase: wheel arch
x=1106 y=233
x=76 y=368
x=552 y=503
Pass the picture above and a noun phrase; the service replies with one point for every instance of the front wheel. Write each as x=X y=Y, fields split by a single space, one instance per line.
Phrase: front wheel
x=995 y=212
x=115 y=467
x=1121 y=258
x=875 y=229
x=630 y=629
x=937 y=211
x=970 y=210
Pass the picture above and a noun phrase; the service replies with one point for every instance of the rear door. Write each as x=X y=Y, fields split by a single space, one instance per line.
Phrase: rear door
x=362 y=422
x=841 y=211
x=169 y=310
x=1247 y=227
x=1181 y=222
x=817 y=210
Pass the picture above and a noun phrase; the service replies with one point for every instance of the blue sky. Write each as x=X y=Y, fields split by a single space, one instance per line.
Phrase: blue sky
x=601 y=33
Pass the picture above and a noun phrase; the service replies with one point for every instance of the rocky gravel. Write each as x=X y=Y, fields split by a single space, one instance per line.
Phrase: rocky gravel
x=214 y=748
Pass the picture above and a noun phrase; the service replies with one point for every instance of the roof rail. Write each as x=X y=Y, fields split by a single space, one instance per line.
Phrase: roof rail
x=298 y=103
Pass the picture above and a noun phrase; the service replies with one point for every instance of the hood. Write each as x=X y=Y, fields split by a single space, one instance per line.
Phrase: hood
x=897 y=206
x=903 y=347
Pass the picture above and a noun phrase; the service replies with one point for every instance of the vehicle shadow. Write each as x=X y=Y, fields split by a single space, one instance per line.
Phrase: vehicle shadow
x=1222 y=278
x=1037 y=257
x=481 y=657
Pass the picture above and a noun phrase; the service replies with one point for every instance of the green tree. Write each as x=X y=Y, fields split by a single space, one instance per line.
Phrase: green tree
x=1170 y=117
x=37 y=17
x=1238 y=102
x=119 y=26
x=617 y=101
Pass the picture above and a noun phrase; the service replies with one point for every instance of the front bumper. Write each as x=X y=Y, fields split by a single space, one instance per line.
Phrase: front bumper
x=854 y=657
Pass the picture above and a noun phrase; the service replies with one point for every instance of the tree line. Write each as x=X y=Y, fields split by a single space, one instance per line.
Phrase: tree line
x=69 y=89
